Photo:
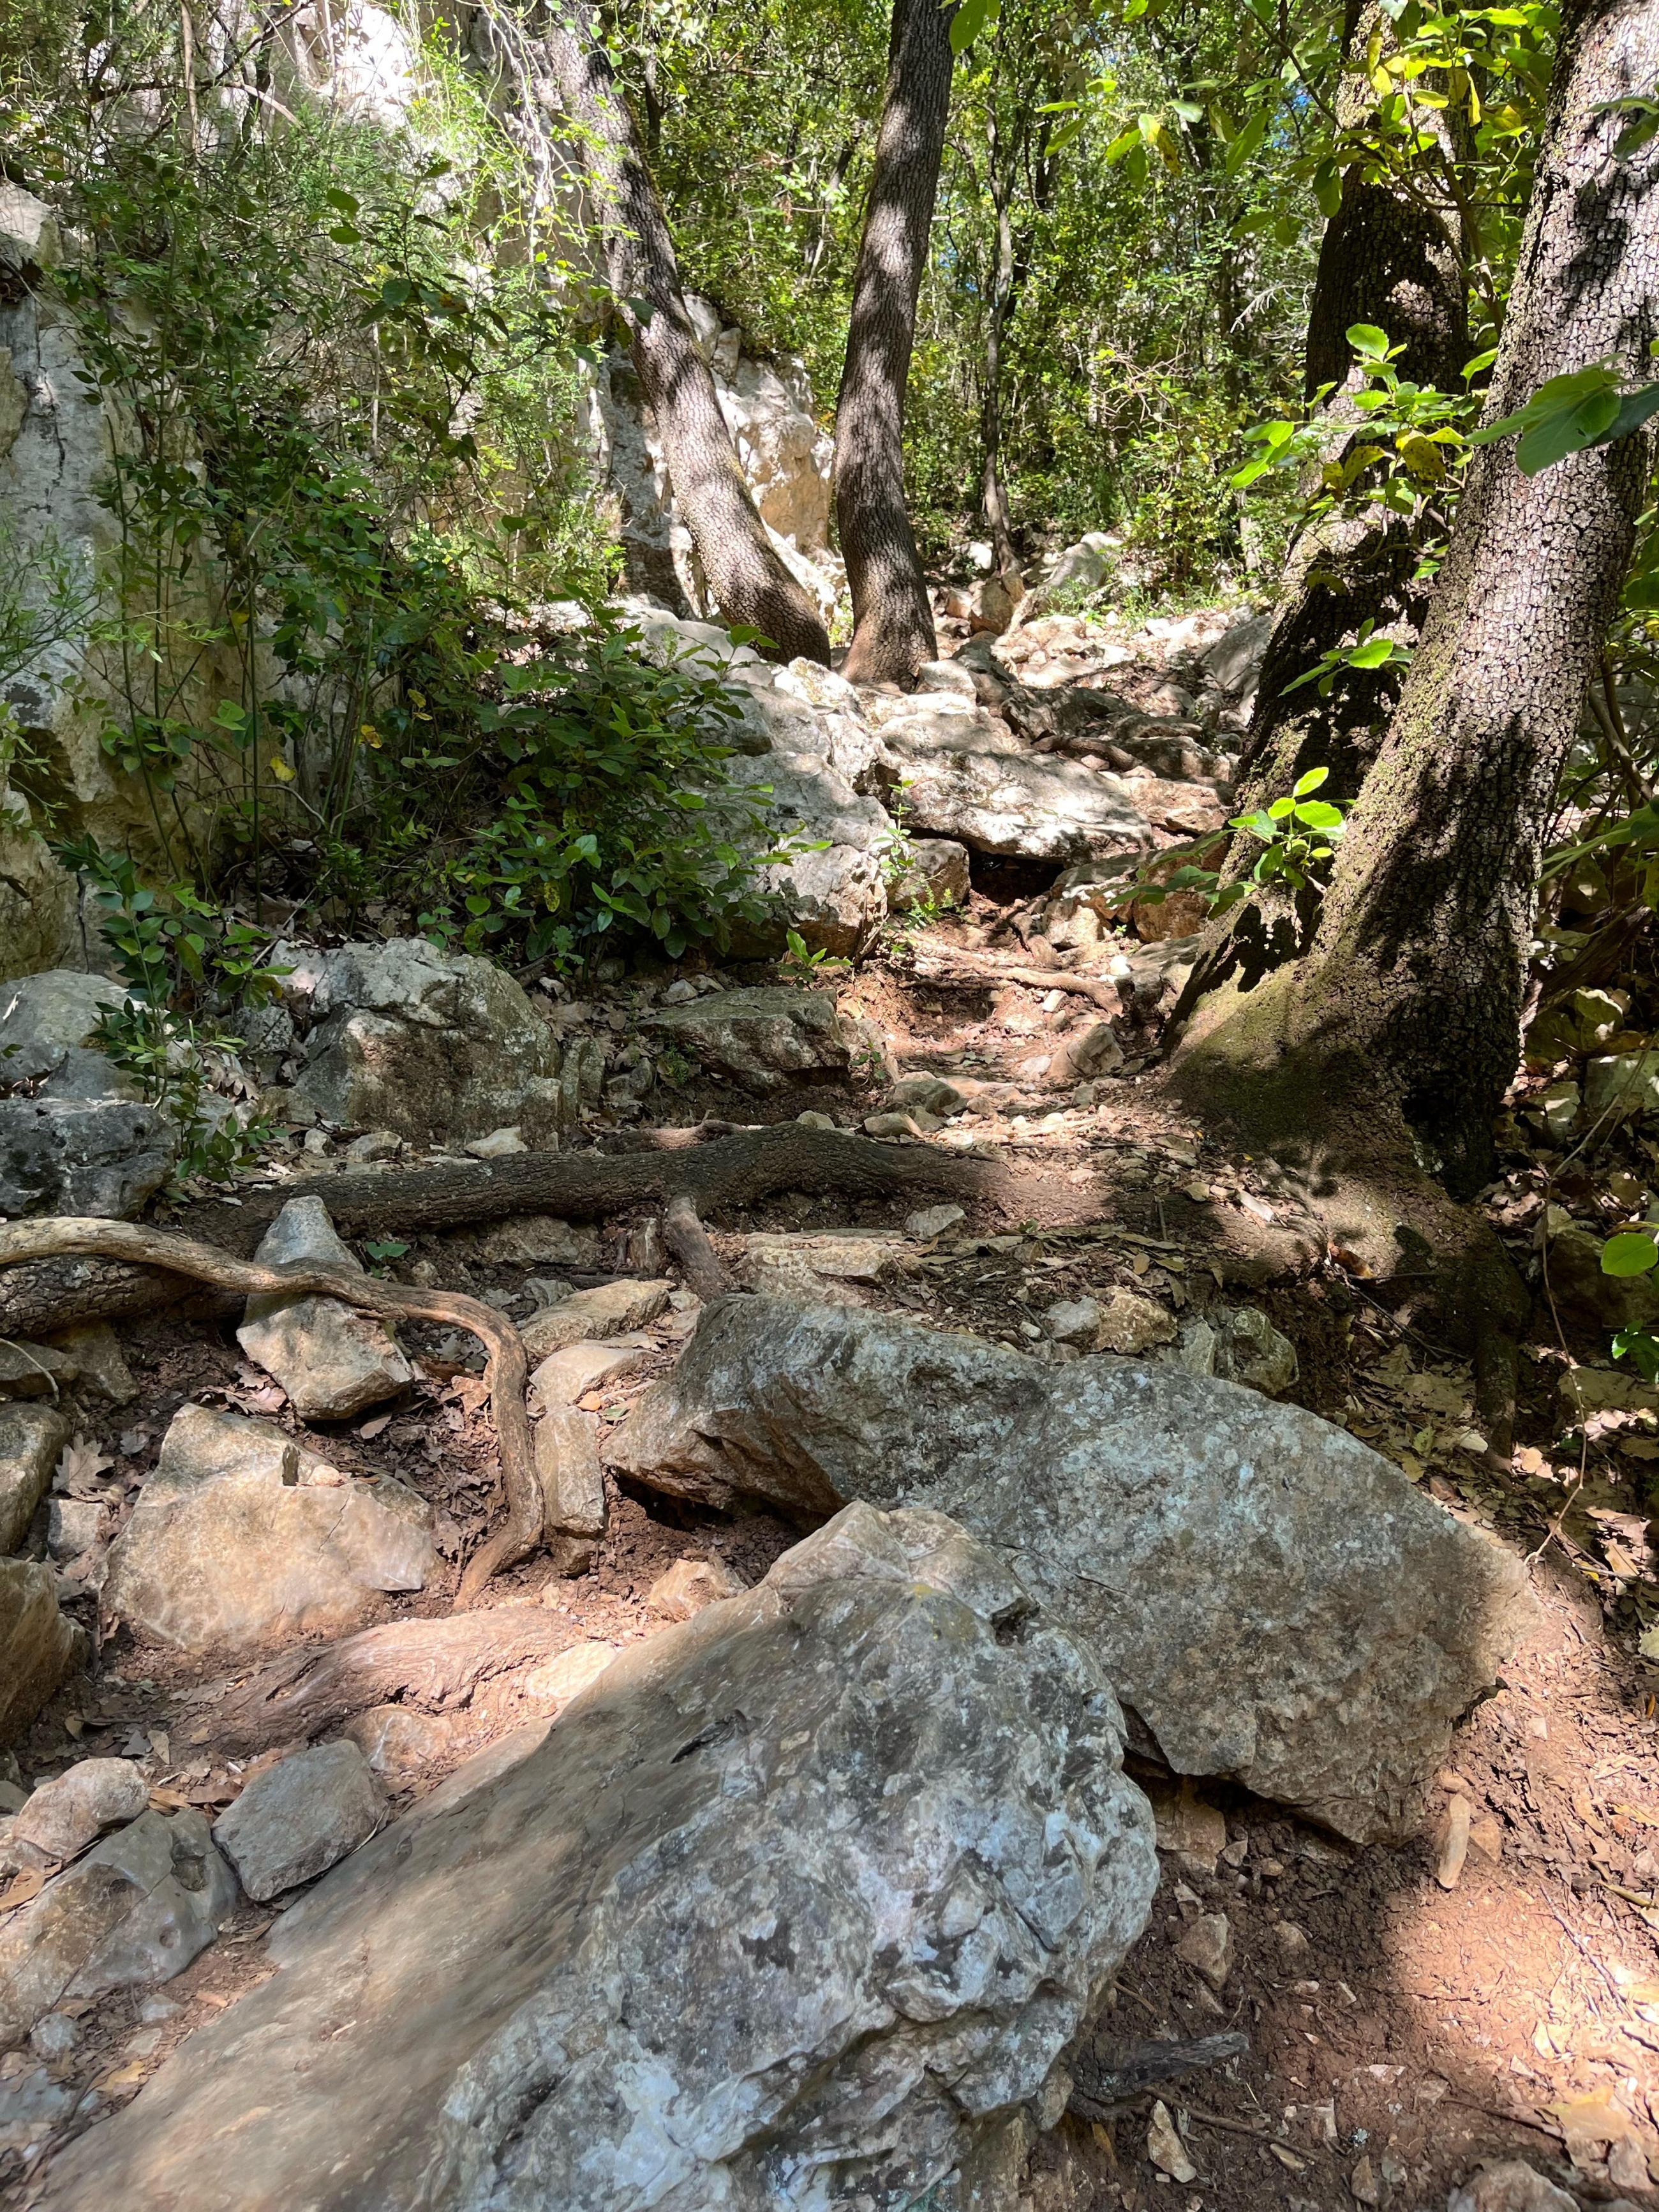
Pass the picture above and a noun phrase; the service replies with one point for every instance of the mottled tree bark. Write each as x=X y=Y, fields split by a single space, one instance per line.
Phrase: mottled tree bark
x=750 y=583
x=892 y=618
x=1410 y=996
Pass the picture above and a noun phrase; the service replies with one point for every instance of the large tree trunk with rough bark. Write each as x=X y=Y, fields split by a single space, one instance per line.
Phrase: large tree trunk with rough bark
x=749 y=581
x=1409 y=998
x=892 y=619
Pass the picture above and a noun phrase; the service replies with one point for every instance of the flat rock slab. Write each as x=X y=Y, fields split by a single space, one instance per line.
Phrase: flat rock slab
x=240 y=1540
x=606 y=1309
x=299 y=1817
x=65 y=1814
x=1271 y=1597
x=135 y=1910
x=331 y=1361
x=566 y=1376
x=801 y=1900
x=38 y=1644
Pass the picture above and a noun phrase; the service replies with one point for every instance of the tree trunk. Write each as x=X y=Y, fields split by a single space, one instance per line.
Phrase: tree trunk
x=750 y=585
x=1391 y=257
x=993 y=503
x=892 y=618
x=1410 y=996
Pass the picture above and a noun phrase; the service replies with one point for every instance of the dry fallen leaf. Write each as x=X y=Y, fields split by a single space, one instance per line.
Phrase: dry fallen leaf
x=29 y=1884
x=124 y=2077
x=1288 y=2158
x=82 y=1462
x=370 y=1430
x=1165 y=2148
x=1589 y=2123
x=1199 y=1191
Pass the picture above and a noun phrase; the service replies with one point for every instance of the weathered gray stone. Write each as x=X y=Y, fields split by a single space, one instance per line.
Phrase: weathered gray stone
x=32 y=2105
x=299 y=1817
x=935 y=873
x=802 y=1898
x=762 y=1040
x=47 y=1023
x=1621 y=1084
x=436 y=1047
x=240 y=1538
x=31 y=1438
x=74 y=1525
x=1511 y=2185
x=569 y=1374
x=1131 y=1324
x=65 y=1814
x=136 y=1909
x=1240 y=1345
x=608 y=1309
x=331 y=1361
x=1272 y=1597
x=34 y=1370
x=932 y=1221
x=551 y=1686
x=1581 y=1290
x=37 y=1644
x=399 y=1742
x=99 y=1364
x=573 y=1488
x=541 y=1240
x=103 y=1155
x=689 y=1586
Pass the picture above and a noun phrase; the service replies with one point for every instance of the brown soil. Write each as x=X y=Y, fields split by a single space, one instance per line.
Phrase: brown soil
x=1399 y=2033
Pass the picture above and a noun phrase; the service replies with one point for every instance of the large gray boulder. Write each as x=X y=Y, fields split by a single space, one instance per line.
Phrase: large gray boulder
x=1272 y=1598
x=438 y=1047
x=243 y=1541
x=797 y=1905
x=762 y=1040
x=967 y=776
x=299 y=1817
x=39 y=1645
x=103 y=1155
x=135 y=1910
x=333 y=1361
x=47 y=1023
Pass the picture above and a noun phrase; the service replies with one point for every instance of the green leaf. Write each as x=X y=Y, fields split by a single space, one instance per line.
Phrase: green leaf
x=1328 y=188
x=1372 y=654
x=1311 y=782
x=1247 y=140
x=972 y=17
x=1643 y=1351
x=1368 y=342
x=1320 y=814
x=1631 y=1252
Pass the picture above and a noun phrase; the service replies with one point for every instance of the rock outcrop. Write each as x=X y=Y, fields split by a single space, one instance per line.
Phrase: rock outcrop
x=798 y=1905
x=1272 y=1598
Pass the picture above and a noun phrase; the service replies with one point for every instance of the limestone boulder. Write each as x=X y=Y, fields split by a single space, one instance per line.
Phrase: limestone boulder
x=762 y=1040
x=299 y=1817
x=72 y=1810
x=800 y=1900
x=331 y=1361
x=38 y=1644
x=439 y=1047
x=102 y=1156
x=935 y=874
x=31 y=1438
x=607 y=1309
x=46 y=1025
x=1271 y=1598
x=135 y=1910
x=573 y=1488
x=241 y=1540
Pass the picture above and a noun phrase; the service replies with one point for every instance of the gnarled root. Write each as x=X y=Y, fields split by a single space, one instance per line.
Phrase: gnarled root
x=506 y=1375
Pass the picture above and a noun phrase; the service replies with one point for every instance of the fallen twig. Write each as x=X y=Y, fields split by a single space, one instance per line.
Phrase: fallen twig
x=505 y=1375
x=958 y=969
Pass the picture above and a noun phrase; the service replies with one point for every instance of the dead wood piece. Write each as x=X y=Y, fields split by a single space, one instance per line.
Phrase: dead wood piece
x=432 y=1665
x=1101 y=2083
x=688 y=1241
x=929 y=969
x=505 y=1375
x=739 y=1171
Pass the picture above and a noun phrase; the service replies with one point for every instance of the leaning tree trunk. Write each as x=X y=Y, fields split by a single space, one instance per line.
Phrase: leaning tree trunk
x=750 y=583
x=1410 y=996
x=1391 y=256
x=892 y=618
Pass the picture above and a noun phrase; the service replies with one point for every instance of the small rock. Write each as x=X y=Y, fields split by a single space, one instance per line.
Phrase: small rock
x=1512 y=2186
x=1165 y=2148
x=567 y=1375
x=135 y=1910
x=74 y=1525
x=499 y=1144
x=1207 y=1948
x=31 y=2105
x=541 y=1240
x=38 y=1645
x=72 y=1810
x=152 y=2009
x=332 y=1362
x=837 y=1257
x=573 y=1488
x=374 y=1144
x=101 y=1157
x=1453 y=1845
x=1240 y=1345
x=644 y=1253
x=926 y=1094
x=1626 y=2166
x=1557 y=1107
x=1084 y=1055
x=55 y=2036
x=691 y=1584
x=96 y=1352
x=608 y=1309
x=1076 y=1321
x=932 y=1221
x=810 y=1120
x=399 y=1742
x=551 y=1686
x=1130 y=1323
x=890 y=1125
x=299 y=1817
x=31 y=1438
x=1621 y=1085
x=680 y=993
x=34 y=1370
x=937 y=872
x=1293 y=1941
x=762 y=1040
x=1364 y=2183
x=242 y=1539
x=1195 y=1831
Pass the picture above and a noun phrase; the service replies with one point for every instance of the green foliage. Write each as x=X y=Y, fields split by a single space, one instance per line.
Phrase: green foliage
x=1633 y=1252
x=1570 y=415
x=1298 y=834
x=1366 y=651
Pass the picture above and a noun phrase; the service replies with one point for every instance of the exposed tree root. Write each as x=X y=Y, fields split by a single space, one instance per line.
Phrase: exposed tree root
x=431 y=1665
x=688 y=1241
x=960 y=968
x=733 y=1170
x=505 y=1375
